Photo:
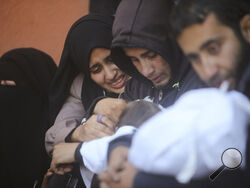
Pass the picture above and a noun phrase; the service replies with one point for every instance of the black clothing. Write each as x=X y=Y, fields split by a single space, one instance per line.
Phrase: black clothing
x=24 y=116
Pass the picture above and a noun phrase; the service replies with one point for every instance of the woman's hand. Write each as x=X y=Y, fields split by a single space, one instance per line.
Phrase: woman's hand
x=63 y=153
x=92 y=129
x=47 y=176
x=111 y=107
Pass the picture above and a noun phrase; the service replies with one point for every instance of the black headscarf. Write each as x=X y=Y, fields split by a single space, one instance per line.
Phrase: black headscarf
x=89 y=32
x=30 y=68
x=24 y=115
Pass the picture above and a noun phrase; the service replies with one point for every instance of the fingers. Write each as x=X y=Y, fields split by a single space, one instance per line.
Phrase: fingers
x=62 y=169
x=92 y=129
x=103 y=128
x=8 y=82
x=59 y=170
x=68 y=168
x=99 y=130
x=108 y=122
x=48 y=174
x=110 y=107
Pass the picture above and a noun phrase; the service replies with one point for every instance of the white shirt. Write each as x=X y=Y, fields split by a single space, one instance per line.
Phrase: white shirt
x=94 y=154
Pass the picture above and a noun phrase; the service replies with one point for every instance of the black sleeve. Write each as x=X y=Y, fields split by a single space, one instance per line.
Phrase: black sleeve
x=68 y=137
x=136 y=90
x=120 y=141
x=92 y=106
x=78 y=156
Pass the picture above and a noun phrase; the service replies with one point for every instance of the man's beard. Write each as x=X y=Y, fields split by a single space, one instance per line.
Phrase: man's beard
x=218 y=79
x=241 y=61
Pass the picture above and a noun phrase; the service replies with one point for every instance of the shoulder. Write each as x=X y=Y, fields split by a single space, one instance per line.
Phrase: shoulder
x=76 y=87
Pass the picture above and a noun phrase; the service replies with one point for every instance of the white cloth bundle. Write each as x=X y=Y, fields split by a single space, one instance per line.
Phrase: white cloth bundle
x=187 y=139
x=94 y=154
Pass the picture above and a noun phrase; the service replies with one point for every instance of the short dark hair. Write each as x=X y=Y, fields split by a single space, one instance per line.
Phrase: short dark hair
x=189 y=12
x=137 y=112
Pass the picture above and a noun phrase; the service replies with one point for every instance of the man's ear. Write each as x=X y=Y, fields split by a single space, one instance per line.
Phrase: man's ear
x=245 y=27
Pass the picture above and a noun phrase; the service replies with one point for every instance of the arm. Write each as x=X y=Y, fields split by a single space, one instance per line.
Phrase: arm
x=92 y=154
x=68 y=118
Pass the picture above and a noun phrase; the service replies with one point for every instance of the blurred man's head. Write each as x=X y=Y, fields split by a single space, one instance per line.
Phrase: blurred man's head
x=215 y=36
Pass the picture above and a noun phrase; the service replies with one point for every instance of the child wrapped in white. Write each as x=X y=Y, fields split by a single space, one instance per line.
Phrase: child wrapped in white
x=188 y=138
x=94 y=153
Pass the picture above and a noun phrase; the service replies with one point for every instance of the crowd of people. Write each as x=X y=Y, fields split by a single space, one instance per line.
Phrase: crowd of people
x=146 y=94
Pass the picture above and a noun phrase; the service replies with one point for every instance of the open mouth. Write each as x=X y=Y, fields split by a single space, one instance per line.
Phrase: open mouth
x=120 y=82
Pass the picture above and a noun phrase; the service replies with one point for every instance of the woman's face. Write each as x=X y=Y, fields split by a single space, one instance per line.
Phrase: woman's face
x=104 y=72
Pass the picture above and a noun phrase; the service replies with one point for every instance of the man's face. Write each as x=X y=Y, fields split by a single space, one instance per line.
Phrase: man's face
x=150 y=64
x=213 y=49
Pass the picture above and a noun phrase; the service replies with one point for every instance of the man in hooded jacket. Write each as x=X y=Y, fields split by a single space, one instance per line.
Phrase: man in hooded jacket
x=209 y=19
x=142 y=48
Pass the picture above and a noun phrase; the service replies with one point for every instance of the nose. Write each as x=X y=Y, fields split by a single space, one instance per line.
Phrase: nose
x=210 y=67
x=110 y=73
x=147 y=69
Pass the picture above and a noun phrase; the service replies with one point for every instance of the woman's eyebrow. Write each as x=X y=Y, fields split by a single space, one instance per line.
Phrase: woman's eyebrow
x=107 y=59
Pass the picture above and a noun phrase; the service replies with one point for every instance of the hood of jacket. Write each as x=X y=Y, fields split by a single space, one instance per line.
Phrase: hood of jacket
x=144 y=24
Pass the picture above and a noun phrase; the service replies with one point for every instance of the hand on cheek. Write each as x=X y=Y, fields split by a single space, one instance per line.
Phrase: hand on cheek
x=125 y=177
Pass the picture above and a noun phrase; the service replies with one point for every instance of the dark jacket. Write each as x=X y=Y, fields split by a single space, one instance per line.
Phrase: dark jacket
x=143 y=23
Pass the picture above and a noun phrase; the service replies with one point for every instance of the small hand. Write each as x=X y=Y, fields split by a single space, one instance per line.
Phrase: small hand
x=118 y=158
x=111 y=107
x=126 y=177
x=47 y=176
x=63 y=153
x=92 y=129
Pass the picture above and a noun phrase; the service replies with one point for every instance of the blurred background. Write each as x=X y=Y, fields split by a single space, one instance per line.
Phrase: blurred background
x=42 y=24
